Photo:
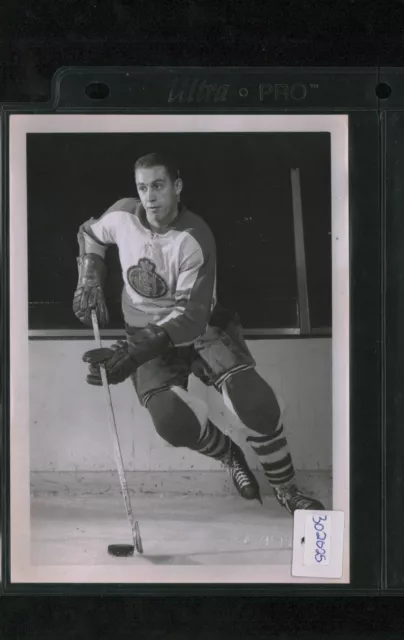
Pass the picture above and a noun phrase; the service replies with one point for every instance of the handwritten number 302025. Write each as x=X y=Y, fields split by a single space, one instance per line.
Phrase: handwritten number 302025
x=321 y=538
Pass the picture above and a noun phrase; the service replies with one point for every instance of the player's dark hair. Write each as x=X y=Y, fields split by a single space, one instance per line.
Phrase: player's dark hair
x=158 y=160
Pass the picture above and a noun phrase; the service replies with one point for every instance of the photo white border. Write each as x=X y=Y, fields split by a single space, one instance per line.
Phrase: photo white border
x=20 y=125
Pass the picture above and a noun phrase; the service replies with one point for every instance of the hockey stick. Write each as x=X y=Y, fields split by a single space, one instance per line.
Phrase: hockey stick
x=117 y=549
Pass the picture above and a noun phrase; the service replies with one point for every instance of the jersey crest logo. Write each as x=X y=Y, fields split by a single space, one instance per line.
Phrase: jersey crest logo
x=145 y=281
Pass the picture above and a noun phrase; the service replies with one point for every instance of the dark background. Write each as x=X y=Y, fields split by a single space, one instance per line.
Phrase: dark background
x=36 y=38
x=239 y=183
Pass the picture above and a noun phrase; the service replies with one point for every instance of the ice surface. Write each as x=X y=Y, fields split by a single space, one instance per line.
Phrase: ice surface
x=175 y=529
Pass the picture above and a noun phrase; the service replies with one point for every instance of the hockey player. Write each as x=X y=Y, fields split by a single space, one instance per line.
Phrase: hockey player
x=175 y=326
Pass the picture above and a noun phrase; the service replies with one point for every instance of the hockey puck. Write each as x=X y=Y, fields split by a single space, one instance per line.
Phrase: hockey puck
x=121 y=550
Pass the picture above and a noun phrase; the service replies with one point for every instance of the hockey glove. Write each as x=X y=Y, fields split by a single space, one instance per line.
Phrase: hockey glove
x=118 y=364
x=89 y=293
x=123 y=358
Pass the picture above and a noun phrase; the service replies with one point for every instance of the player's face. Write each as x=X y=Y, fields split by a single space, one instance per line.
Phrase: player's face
x=159 y=195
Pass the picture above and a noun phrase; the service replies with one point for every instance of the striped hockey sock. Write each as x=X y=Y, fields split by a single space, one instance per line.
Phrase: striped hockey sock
x=213 y=443
x=274 y=456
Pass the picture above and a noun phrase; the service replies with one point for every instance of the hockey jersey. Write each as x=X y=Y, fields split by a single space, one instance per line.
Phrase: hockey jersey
x=169 y=278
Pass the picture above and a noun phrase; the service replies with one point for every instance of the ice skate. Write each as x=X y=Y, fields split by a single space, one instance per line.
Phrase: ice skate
x=243 y=478
x=292 y=499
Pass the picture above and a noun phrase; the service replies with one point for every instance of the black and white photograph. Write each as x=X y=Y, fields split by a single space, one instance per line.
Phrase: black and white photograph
x=179 y=344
